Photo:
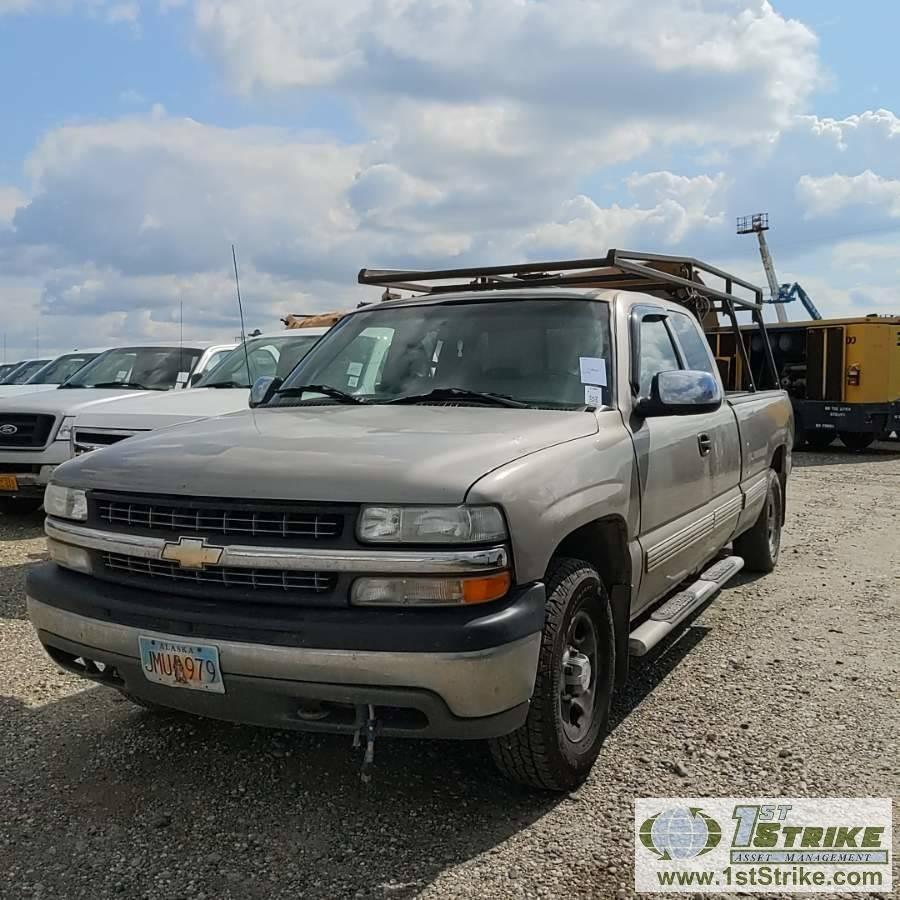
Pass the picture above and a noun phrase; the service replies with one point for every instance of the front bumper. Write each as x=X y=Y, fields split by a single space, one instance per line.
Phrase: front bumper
x=32 y=468
x=31 y=481
x=468 y=678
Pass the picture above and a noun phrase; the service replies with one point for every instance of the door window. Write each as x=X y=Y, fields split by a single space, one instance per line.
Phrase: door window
x=658 y=353
x=694 y=347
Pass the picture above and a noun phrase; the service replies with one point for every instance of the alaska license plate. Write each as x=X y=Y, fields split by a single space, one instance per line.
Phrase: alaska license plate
x=9 y=483
x=181 y=664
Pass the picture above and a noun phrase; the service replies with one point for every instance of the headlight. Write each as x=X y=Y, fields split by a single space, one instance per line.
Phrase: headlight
x=431 y=524
x=66 y=503
x=429 y=591
x=64 y=432
x=69 y=557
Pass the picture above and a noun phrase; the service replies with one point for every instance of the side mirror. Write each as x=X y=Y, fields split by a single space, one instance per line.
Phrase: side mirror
x=196 y=377
x=680 y=392
x=263 y=390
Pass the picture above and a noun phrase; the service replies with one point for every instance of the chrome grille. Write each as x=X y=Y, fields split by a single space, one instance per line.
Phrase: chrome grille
x=213 y=519
x=222 y=576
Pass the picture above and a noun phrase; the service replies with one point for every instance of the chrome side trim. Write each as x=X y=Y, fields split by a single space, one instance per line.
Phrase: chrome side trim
x=472 y=683
x=756 y=491
x=388 y=562
x=667 y=549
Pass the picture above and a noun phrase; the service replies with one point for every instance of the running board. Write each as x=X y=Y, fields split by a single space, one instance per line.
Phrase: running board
x=681 y=605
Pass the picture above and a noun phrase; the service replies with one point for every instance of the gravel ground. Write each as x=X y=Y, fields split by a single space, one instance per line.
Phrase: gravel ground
x=786 y=685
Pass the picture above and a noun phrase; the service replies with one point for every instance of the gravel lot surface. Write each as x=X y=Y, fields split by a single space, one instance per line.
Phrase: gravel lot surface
x=787 y=685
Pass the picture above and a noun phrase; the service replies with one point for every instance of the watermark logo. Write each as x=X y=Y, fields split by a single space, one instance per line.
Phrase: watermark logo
x=785 y=845
x=680 y=833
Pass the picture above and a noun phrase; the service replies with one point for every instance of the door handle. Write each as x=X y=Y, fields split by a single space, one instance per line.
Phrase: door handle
x=704 y=443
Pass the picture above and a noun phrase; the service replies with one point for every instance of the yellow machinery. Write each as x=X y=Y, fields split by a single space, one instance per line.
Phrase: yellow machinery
x=843 y=375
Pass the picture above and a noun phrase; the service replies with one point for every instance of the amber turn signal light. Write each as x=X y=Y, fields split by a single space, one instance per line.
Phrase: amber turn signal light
x=487 y=588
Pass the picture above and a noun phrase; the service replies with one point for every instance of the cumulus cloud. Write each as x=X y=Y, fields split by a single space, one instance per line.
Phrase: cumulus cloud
x=488 y=127
x=595 y=55
x=825 y=196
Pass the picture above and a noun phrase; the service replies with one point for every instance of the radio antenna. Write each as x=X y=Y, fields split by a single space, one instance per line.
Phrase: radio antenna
x=237 y=284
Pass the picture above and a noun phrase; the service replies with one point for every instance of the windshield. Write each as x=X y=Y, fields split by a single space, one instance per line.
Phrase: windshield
x=61 y=369
x=268 y=356
x=550 y=353
x=147 y=368
x=24 y=371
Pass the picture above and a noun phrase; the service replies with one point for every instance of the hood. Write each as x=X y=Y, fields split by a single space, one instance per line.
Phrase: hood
x=63 y=401
x=17 y=390
x=145 y=412
x=346 y=454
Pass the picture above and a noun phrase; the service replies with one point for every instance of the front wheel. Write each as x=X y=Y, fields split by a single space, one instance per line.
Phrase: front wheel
x=569 y=714
x=857 y=441
x=760 y=545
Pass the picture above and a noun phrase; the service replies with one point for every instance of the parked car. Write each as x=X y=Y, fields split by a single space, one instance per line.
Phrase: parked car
x=36 y=430
x=53 y=374
x=455 y=518
x=217 y=391
x=22 y=371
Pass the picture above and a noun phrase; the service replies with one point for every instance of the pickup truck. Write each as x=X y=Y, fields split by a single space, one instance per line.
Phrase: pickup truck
x=457 y=517
x=51 y=375
x=22 y=371
x=223 y=389
x=36 y=430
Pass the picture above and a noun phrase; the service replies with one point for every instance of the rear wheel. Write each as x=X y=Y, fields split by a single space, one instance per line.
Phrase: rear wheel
x=819 y=440
x=19 y=506
x=857 y=441
x=759 y=547
x=569 y=714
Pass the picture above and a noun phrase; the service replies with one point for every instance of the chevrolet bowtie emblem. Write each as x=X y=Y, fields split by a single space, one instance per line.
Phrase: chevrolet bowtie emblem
x=192 y=553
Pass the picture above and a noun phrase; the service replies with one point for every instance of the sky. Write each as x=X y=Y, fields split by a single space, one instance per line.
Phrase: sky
x=141 y=138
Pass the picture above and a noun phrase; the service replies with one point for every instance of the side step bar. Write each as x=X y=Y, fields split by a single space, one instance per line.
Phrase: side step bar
x=681 y=605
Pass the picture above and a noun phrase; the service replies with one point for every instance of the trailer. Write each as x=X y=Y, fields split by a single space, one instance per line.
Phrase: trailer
x=843 y=375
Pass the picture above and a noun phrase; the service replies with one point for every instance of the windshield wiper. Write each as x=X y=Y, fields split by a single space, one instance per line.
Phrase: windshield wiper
x=455 y=393
x=326 y=389
x=128 y=385
x=224 y=384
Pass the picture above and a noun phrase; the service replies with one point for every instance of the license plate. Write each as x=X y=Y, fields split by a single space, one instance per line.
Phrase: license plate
x=181 y=664
x=9 y=483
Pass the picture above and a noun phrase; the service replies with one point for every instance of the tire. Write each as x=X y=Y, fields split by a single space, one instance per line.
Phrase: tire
x=19 y=506
x=819 y=440
x=857 y=441
x=760 y=545
x=556 y=747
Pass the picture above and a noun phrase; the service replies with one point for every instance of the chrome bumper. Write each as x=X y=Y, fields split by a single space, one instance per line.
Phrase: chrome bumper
x=472 y=684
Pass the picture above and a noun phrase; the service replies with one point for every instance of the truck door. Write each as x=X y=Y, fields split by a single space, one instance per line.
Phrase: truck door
x=689 y=465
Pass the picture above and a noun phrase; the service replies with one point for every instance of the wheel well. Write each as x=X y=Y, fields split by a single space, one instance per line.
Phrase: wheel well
x=779 y=460
x=604 y=544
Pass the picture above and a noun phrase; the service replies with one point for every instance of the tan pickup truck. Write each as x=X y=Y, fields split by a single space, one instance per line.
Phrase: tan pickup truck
x=457 y=517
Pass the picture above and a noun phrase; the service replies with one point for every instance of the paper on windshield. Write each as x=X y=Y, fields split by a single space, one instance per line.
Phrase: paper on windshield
x=593 y=370
x=593 y=395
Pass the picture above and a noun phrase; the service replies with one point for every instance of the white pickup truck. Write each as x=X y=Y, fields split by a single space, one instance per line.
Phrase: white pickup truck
x=52 y=375
x=36 y=430
x=224 y=389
